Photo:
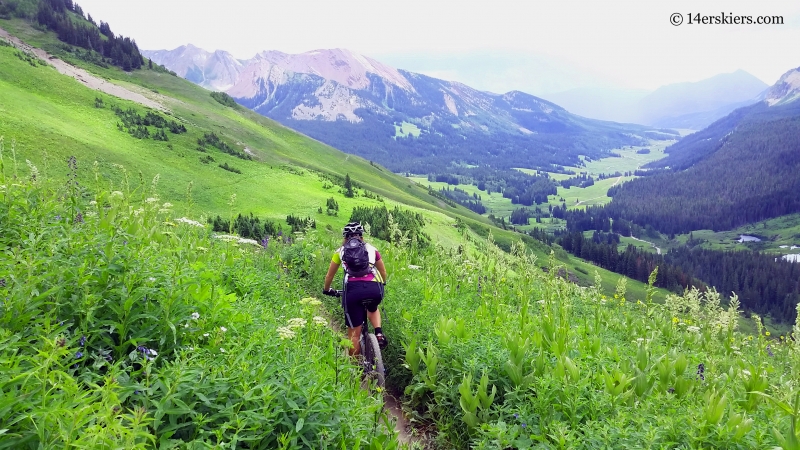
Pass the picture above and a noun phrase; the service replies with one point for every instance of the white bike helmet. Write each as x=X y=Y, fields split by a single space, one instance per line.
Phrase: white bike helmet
x=353 y=228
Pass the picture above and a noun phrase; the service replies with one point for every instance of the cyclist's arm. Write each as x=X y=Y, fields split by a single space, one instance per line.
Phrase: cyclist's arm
x=331 y=273
x=381 y=269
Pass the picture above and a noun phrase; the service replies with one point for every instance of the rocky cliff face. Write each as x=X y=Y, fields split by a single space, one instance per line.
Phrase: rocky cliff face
x=786 y=90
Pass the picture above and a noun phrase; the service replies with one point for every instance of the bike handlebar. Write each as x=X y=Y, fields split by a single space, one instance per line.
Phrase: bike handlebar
x=333 y=292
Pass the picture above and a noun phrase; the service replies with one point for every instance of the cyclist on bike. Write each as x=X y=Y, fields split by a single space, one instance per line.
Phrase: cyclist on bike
x=364 y=280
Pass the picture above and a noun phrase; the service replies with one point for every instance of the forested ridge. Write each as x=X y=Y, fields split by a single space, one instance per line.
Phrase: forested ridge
x=67 y=19
x=742 y=169
x=753 y=175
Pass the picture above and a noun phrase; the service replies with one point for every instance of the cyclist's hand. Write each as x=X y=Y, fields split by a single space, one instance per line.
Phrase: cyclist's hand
x=329 y=291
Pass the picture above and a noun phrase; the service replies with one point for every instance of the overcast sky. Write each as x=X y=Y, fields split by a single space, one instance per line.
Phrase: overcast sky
x=536 y=46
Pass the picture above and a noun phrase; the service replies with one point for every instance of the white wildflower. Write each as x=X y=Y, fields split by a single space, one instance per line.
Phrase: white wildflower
x=201 y=249
x=297 y=322
x=167 y=205
x=151 y=279
x=226 y=237
x=413 y=267
x=163 y=211
x=285 y=333
x=151 y=200
x=692 y=329
x=186 y=325
x=541 y=302
x=248 y=241
x=93 y=202
x=117 y=194
x=746 y=373
x=191 y=222
x=205 y=334
x=138 y=211
x=195 y=315
x=223 y=329
x=640 y=340
x=310 y=301
x=320 y=320
x=222 y=350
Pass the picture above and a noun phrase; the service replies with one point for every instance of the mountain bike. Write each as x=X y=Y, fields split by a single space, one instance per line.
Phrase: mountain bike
x=370 y=359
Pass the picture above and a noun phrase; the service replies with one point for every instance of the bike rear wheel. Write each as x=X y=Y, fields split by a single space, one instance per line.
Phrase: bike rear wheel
x=374 y=371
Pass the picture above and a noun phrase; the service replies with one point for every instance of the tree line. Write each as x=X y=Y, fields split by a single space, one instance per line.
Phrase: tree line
x=60 y=17
x=750 y=174
x=602 y=249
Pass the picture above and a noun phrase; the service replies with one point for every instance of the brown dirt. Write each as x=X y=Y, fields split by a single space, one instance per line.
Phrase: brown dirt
x=82 y=76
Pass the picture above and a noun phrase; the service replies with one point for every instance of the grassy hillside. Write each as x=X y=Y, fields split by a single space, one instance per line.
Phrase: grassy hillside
x=124 y=327
x=49 y=114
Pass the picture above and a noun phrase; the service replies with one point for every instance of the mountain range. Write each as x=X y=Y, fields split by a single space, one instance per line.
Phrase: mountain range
x=407 y=121
x=681 y=105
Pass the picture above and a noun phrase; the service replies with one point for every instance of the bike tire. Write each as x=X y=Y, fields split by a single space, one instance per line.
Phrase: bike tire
x=372 y=354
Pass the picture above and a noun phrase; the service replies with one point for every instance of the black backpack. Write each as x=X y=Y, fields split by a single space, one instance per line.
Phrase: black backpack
x=356 y=258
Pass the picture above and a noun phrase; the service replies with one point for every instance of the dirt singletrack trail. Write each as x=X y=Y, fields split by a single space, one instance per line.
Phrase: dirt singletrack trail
x=82 y=76
x=390 y=404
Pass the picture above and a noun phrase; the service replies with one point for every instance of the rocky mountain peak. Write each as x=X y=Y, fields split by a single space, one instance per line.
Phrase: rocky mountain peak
x=786 y=90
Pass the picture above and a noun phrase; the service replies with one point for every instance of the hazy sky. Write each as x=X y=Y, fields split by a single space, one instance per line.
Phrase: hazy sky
x=537 y=46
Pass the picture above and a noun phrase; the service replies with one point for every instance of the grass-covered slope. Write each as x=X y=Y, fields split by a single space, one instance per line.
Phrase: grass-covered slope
x=122 y=329
x=124 y=326
x=53 y=117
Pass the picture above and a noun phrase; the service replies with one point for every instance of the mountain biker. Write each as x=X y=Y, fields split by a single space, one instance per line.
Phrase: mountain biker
x=359 y=287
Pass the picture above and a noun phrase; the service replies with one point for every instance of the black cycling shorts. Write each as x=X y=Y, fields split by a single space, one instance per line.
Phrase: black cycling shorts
x=354 y=297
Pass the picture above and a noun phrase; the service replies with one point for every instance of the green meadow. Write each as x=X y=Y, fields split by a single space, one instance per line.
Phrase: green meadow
x=126 y=321
x=406 y=129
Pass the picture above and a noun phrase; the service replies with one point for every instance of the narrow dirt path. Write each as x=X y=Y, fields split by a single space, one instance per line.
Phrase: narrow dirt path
x=82 y=76
x=390 y=404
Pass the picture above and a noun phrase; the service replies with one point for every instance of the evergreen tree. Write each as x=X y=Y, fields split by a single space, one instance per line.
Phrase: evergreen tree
x=348 y=187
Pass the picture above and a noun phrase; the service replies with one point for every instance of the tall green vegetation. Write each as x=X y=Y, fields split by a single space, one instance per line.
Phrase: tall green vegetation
x=497 y=354
x=123 y=325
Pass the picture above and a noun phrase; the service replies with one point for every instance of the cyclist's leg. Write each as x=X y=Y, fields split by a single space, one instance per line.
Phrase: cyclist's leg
x=375 y=295
x=374 y=314
x=352 y=303
x=374 y=317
